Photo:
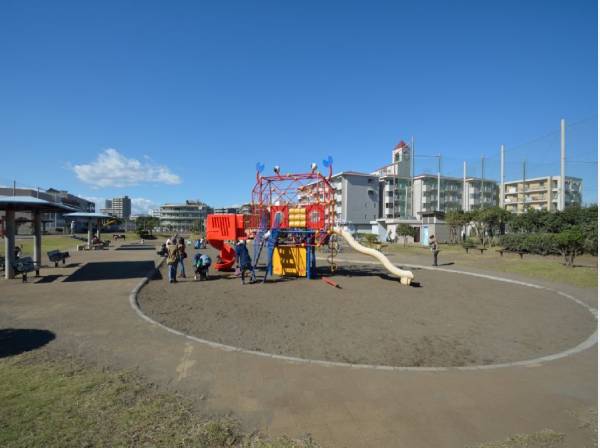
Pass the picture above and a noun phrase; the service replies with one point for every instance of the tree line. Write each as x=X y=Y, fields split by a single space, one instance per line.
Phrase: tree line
x=568 y=233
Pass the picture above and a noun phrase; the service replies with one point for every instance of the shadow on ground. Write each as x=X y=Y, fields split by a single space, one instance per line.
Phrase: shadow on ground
x=361 y=270
x=14 y=341
x=111 y=270
x=49 y=278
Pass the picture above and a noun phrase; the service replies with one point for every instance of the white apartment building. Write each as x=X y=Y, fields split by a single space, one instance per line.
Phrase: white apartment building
x=356 y=200
x=118 y=207
x=479 y=193
x=540 y=193
x=183 y=217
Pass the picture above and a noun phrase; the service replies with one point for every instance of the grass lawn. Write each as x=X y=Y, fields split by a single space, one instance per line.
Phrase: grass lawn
x=49 y=242
x=58 y=403
x=584 y=274
x=60 y=242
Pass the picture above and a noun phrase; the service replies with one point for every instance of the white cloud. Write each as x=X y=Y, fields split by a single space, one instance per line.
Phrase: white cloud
x=113 y=169
x=95 y=199
x=142 y=206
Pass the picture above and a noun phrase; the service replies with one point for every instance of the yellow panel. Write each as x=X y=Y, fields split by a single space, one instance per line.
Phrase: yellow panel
x=289 y=261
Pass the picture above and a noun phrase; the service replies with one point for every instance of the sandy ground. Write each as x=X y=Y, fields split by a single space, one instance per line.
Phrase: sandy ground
x=451 y=320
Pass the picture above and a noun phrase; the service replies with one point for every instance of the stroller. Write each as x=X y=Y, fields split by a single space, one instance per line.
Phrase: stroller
x=163 y=252
x=201 y=265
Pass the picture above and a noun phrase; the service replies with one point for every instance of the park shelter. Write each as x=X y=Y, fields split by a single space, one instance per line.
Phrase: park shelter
x=12 y=204
x=90 y=217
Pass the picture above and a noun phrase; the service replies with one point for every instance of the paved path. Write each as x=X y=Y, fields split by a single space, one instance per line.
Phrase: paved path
x=339 y=406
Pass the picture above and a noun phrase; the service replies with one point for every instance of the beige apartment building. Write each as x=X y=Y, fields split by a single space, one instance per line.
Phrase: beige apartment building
x=540 y=193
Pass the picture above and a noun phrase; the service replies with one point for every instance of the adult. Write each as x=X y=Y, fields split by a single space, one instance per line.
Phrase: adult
x=182 y=256
x=172 y=260
x=433 y=245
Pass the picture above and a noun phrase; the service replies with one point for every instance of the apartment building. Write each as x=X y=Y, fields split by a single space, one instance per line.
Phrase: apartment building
x=479 y=193
x=356 y=200
x=118 y=207
x=395 y=185
x=540 y=193
x=186 y=217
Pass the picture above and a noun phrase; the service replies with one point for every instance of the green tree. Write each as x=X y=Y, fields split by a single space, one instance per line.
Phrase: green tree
x=489 y=222
x=370 y=239
x=570 y=243
x=405 y=231
x=145 y=225
x=457 y=220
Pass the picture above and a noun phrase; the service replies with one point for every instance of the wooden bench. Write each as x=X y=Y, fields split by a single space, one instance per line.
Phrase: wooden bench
x=480 y=249
x=56 y=255
x=520 y=252
x=466 y=248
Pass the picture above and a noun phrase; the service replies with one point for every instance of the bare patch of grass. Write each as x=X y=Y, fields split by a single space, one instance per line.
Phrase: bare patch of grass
x=57 y=403
x=542 y=439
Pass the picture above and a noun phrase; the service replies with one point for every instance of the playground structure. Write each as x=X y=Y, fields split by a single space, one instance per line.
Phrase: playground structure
x=291 y=215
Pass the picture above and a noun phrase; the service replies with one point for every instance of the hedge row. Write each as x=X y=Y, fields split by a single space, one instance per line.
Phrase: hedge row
x=533 y=243
x=551 y=243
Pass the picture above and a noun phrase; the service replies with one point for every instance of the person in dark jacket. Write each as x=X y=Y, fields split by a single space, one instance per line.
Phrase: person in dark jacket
x=433 y=245
x=243 y=261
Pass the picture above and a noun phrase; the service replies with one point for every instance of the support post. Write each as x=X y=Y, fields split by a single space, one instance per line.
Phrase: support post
x=37 y=241
x=501 y=176
x=98 y=228
x=90 y=231
x=563 y=152
x=9 y=245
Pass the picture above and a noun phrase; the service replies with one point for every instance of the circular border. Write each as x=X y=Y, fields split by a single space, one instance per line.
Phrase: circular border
x=589 y=342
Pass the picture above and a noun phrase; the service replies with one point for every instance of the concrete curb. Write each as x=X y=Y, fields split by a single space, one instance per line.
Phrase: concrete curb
x=586 y=344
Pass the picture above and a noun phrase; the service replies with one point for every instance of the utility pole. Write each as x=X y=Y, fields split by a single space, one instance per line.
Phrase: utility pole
x=439 y=180
x=563 y=152
x=481 y=185
x=465 y=192
x=14 y=187
x=523 y=183
x=502 y=176
x=412 y=175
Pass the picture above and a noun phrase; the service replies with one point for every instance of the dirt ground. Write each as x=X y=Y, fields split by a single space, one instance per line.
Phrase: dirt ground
x=451 y=320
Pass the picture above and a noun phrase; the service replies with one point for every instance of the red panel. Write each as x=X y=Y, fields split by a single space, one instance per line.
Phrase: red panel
x=315 y=216
x=224 y=227
x=283 y=210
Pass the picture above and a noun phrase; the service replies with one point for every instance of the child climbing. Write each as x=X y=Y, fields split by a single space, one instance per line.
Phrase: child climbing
x=244 y=262
x=201 y=265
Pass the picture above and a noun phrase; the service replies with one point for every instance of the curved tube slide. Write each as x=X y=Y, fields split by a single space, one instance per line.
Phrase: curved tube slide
x=405 y=276
x=227 y=254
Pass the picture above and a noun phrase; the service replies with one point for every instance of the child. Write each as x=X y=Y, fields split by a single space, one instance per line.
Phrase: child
x=243 y=261
x=201 y=265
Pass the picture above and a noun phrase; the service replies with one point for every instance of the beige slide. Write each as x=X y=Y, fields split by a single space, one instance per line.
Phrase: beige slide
x=405 y=276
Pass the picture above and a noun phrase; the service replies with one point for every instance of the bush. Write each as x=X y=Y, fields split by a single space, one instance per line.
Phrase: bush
x=533 y=243
x=468 y=244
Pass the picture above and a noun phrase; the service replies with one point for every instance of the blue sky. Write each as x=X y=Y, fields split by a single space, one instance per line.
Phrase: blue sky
x=167 y=101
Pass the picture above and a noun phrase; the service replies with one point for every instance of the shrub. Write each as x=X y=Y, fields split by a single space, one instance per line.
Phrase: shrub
x=533 y=243
x=570 y=243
